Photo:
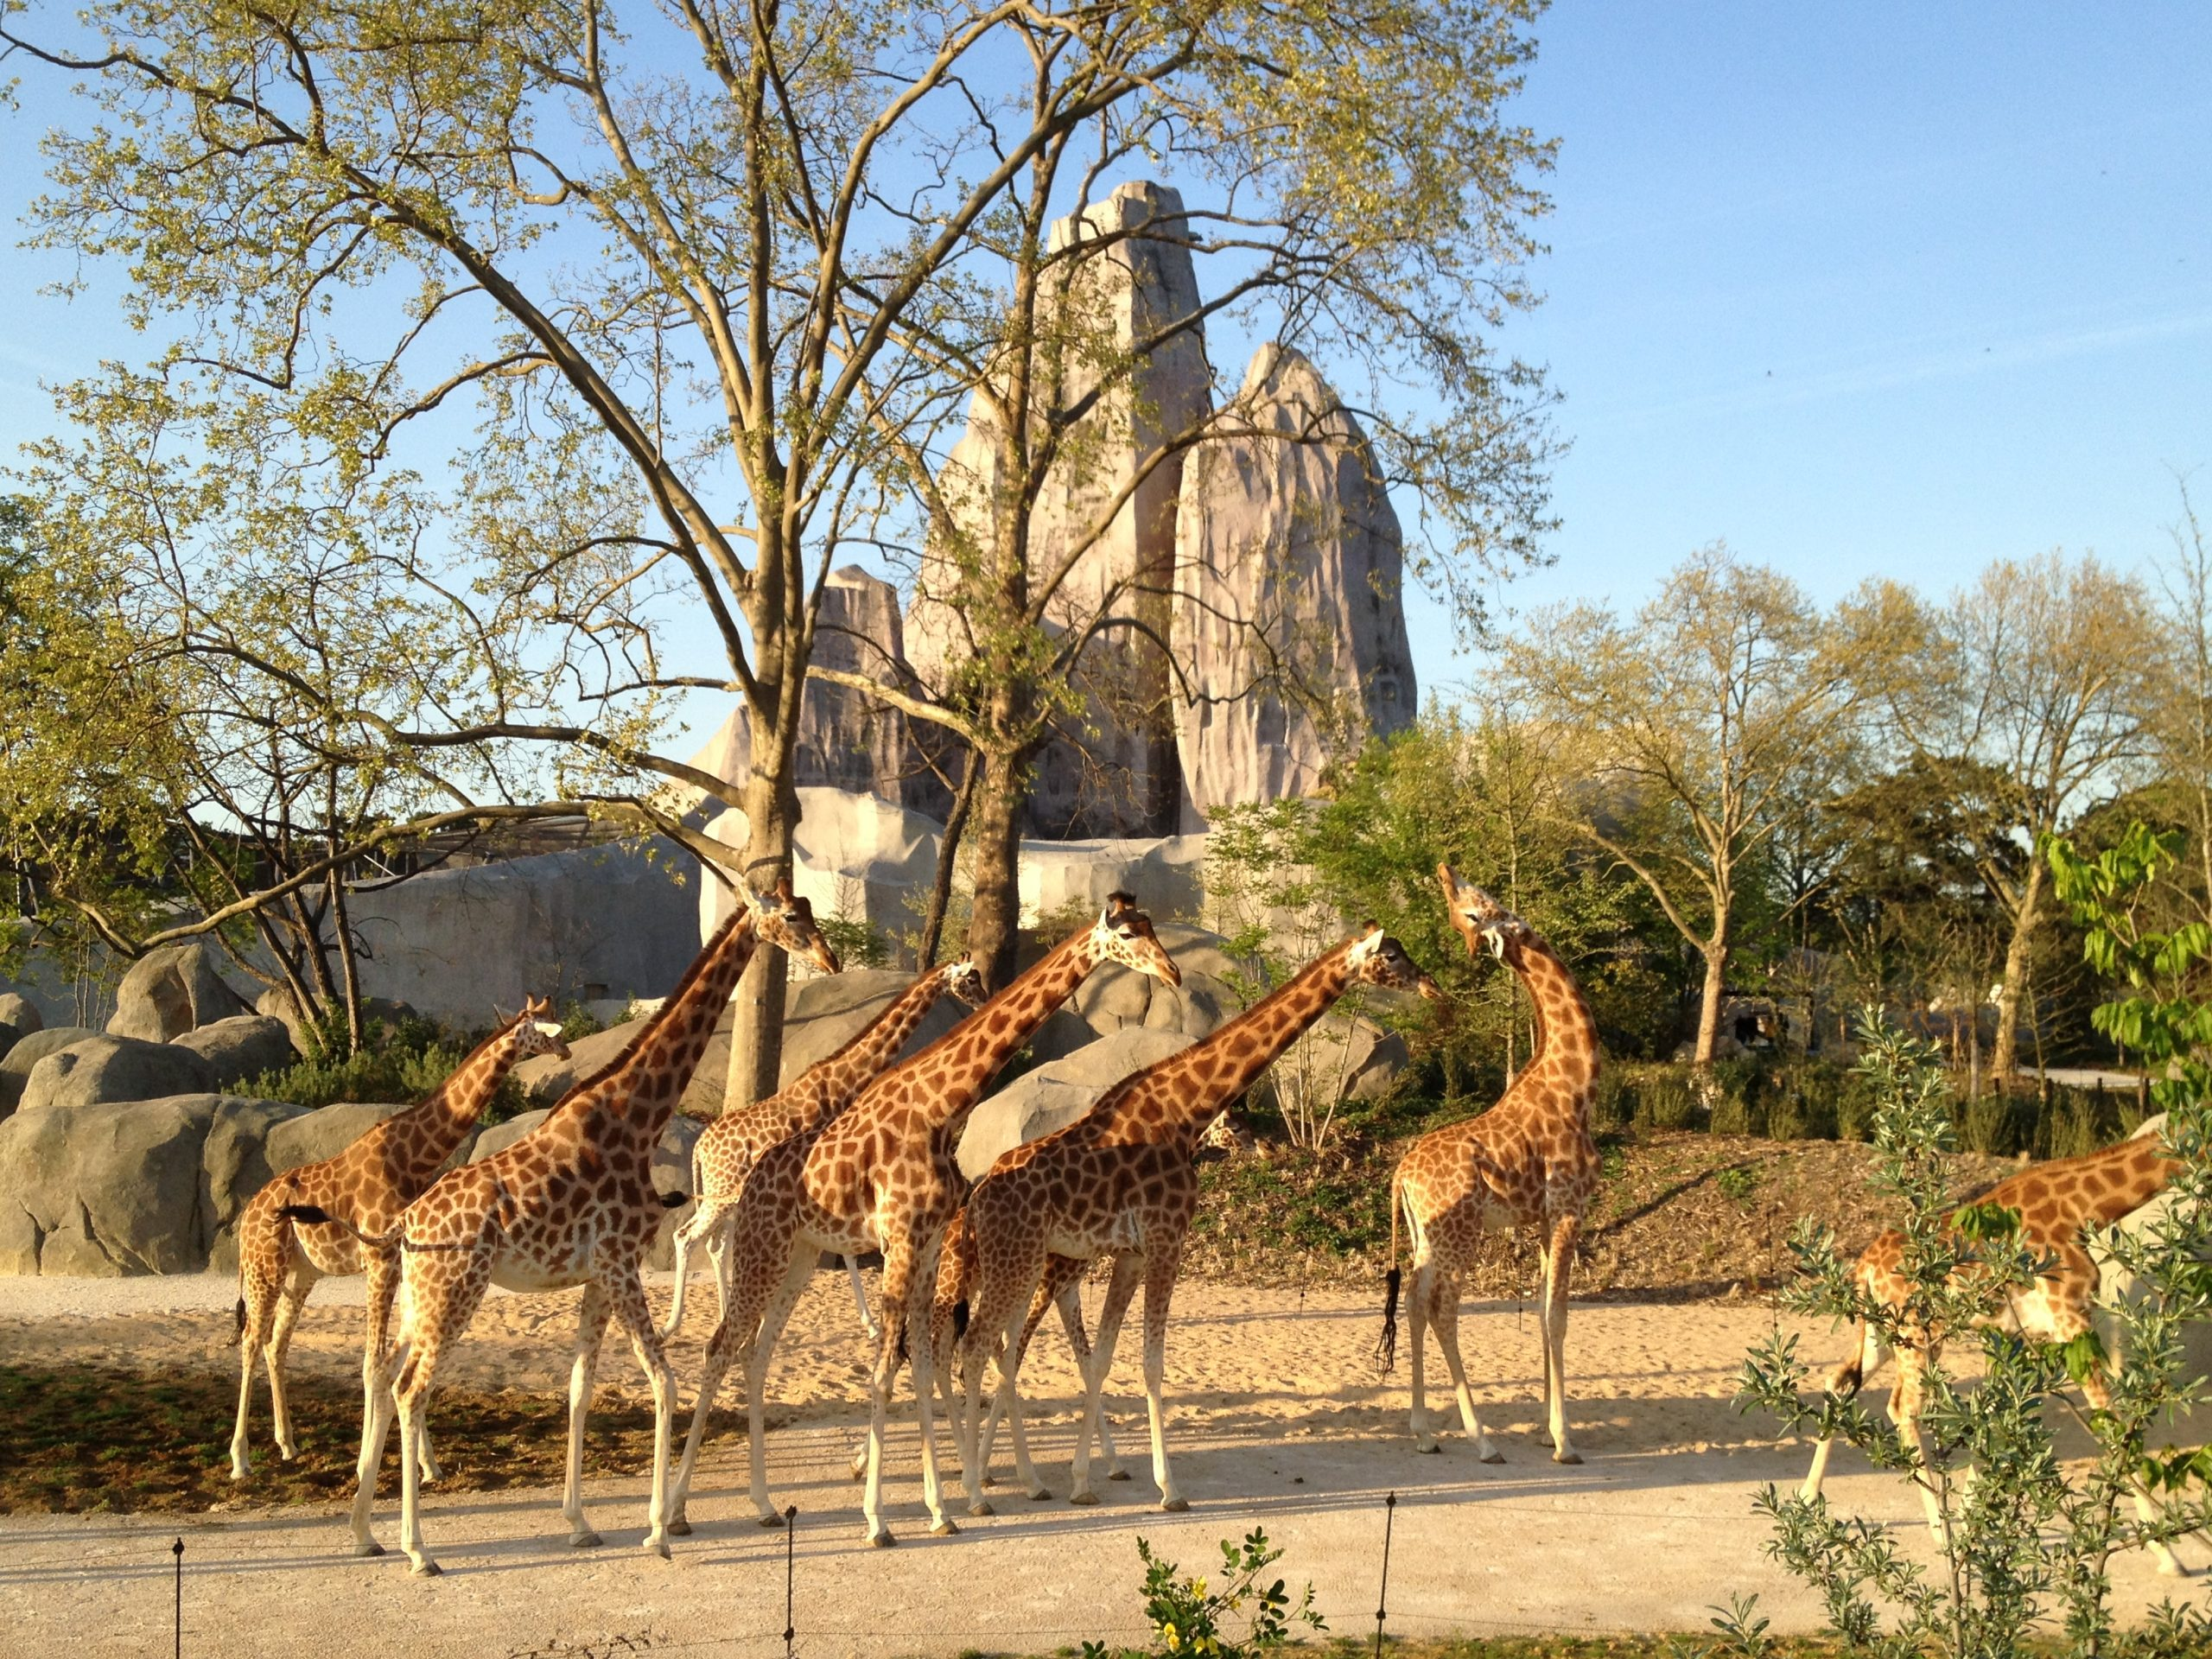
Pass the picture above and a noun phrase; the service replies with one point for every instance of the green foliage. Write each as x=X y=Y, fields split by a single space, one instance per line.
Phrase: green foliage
x=1190 y=1618
x=2021 y=1542
x=857 y=944
x=404 y=1064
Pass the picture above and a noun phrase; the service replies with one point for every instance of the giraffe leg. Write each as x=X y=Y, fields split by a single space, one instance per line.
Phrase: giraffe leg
x=1070 y=1303
x=1418 y=1301
x=591 y=1332
x=1867 y=1361
x=1905 y=1413
x=628 y=1293
x=378 y=1365
x=914 y=1308
x=721 y=1346
x=759 y=1350
x=1119 y=1289
x=257 y=1292
x=859 y=1299
x=439 y=1306
x=1444 y=1318
x=290 y=1297
x=1158 y=1292
x=899 y=1273
x=1557 y=1268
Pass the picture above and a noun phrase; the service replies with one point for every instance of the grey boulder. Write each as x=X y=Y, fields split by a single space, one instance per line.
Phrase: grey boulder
x=118 y=1187
x=1056 y=1094
x=1216 y=984
x=243 y=1045
x=1340 y=1057
x=171 y=991
x=543 y=1079
x=325 y=1131
x=19 y=1013
x=101 y=1069
x=825 y=1012
x=16 y=1064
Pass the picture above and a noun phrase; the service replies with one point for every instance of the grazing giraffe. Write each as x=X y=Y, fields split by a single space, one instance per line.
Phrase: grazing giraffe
x=385 y=1169
x=572 y=1202
x=2055 y=1202
x=1120 y=1181
x=725 y=1155
x=884 y=1176
x=1528 y=1161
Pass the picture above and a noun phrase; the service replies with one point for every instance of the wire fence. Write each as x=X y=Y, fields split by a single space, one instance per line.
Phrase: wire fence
x=819 y=1640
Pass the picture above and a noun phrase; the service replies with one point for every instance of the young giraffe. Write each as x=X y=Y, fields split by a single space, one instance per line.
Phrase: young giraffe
x=1528 y=1161
x=883 y=1176
x=734 y=1142
x=383 y=1170
x=2056 y=1201
x=1122 y=1181
x=572 y=1202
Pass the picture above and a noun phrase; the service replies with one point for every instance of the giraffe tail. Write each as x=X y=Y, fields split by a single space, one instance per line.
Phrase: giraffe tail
x=1386 y=1346
x=238 y=1335
x=314 y=1215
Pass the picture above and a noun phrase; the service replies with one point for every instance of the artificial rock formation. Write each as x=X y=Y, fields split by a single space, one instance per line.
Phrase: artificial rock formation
x=1141 y=292
x=1287 y=614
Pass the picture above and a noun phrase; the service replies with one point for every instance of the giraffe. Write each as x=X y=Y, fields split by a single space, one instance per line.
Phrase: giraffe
x=1528 y=1161
x=571 y=1203
x=2057 y=1201
x=883 y=1176
x=1120 y=1181
x=383 y=1170
x=725 y=1155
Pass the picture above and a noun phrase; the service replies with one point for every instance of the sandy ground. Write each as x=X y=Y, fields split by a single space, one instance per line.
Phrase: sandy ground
x=1277 y=1419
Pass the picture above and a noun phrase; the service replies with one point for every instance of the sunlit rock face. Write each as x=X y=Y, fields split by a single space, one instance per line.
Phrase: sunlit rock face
x=1288 y=616
x=1114 y=771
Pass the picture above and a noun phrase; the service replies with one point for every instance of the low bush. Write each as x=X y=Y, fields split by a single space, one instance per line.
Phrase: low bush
x=405 y=1063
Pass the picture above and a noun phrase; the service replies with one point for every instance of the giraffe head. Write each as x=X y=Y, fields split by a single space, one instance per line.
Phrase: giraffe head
x=965 y=981
x=785 y=920
x=1482 y=921
x=1378 y=959
x=1123 y=933
x=534 y=1031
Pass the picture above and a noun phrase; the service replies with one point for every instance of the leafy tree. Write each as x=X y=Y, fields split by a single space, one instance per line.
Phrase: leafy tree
x=1722 y=714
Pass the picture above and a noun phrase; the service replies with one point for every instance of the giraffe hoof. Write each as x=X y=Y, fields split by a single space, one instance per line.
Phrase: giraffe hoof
x=1175 y=1505
x=1083 y=1498
x=427 y=1570
x=1492 y=1457
x=1040 y=1496
x=772 y=1519
x=1569 y=1455
x=660 y=1547
x=1117 y=1474
x=679 y=1528
x=989 y=1480
x=943 y=1528
x=585 y=1539
x=881 y=1539
x=980 y=1508
x=1432 y=1447
x=367 y=1547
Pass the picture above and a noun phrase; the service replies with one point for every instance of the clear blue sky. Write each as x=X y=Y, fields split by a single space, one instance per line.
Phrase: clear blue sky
x=1863 y=289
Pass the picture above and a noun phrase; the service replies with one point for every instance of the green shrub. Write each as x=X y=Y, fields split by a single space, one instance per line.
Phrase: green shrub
x=1189 y=1617
x=405 y=1063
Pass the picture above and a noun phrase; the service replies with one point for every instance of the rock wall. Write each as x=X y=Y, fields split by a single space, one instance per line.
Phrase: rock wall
x=1287 y=606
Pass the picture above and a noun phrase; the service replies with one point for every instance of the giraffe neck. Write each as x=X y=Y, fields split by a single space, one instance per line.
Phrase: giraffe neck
x=637 y=1094
x=1001 y=1026
x=1567 y=1043
x=440 y=1124
x=1210 y=1073
x=870 y=1052
x=2142 y=1169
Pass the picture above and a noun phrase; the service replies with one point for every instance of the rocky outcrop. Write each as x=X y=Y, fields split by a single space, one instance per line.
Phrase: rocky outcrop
x=546 y=1077
x=1140 y=291
x=1341 y=1058
x=276 y=1003
x=325 y=1131
x=1117 y=999
x=1288 y=618
x=1055 y=1094
x=854 y=858
x=19 y=1018
x=823 y=1014
x=171 y=991
x=131 y=1187
x=847 y=740
x=243 y=1045
x=16 y=1064
x=1061 y=880
x=102 y=1069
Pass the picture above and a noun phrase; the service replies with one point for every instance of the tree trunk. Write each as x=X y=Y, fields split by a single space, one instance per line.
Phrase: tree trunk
x=341 y=925
x=2001 y=1054
x=948 y=860
x=994 y=924
x=756 y=1049
x=1709 y=1013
